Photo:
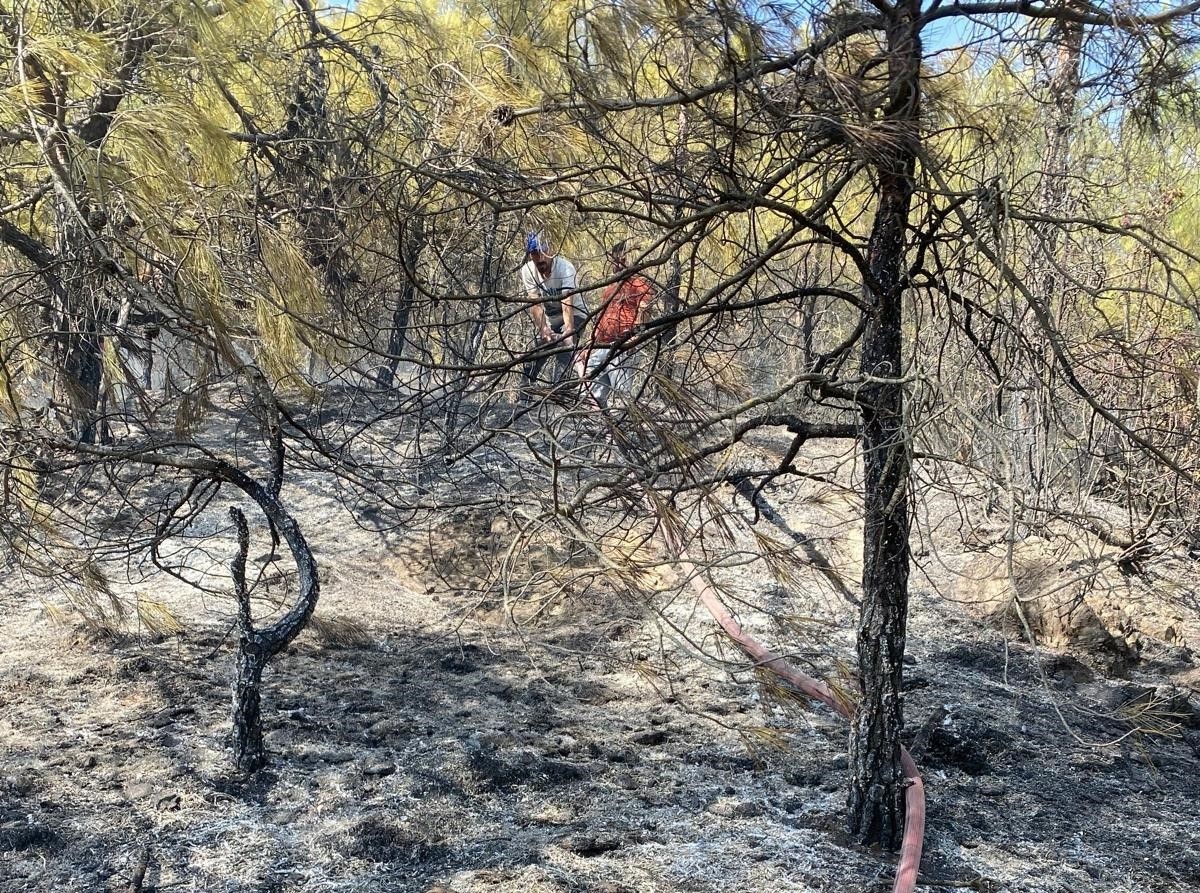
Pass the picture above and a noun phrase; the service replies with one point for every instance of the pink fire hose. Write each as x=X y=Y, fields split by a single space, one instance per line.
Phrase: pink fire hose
x=914 y=795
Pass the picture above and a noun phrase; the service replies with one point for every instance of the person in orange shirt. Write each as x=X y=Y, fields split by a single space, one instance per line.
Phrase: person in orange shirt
x=623 y=309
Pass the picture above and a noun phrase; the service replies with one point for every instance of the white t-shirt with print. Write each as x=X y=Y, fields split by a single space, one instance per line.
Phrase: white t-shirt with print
x=562 y=278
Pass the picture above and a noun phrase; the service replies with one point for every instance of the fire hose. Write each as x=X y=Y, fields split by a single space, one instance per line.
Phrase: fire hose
x=912 y=841
x=914 y=795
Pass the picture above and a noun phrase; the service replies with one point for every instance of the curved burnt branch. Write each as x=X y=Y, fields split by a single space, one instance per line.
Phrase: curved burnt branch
x=256 y=647
x=280 y=634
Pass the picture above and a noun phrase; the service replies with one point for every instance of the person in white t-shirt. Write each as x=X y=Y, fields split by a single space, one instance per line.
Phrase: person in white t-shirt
x=557 y=315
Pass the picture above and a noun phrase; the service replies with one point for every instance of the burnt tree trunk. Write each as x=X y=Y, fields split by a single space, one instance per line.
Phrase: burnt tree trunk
x=458 y=383
x=673 y=290
x=412 y=246
x=249 y=754
x=385 y=377
x=83 y=371
x=876 y=800
x=77 y=320
x=257 y=647
x=1033 y=417
x=84 y=312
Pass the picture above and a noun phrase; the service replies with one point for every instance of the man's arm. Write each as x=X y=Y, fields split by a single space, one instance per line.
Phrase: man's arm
x=538 y=312
x=568 y=303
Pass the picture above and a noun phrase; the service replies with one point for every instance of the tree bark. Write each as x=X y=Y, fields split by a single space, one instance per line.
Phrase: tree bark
x=82 y=314
x=249 y=754
x=673 y=290
x=413 y=245
x=1034 y=431
x=79 y=316
x=876 y=799
x=257 y=647
x=458 y=383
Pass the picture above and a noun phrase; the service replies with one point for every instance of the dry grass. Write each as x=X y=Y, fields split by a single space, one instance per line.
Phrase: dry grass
x=340 y=632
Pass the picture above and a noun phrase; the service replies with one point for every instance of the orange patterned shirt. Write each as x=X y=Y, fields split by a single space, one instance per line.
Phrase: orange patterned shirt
x=619 y=308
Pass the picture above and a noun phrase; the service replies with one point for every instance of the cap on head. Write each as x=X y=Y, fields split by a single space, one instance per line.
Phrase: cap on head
x=534 y=243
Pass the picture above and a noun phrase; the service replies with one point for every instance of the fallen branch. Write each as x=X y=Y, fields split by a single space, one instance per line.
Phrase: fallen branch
x=814 y=555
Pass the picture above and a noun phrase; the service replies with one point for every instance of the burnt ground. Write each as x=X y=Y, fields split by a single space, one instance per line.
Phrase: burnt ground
x=433 y=750
x=415 y=762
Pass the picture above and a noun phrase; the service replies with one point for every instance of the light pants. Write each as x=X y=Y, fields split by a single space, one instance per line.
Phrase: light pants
x=616 y=375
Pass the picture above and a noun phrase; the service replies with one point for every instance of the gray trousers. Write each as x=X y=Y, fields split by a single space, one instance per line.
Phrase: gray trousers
x=532 y=369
